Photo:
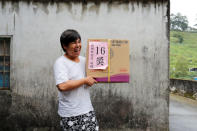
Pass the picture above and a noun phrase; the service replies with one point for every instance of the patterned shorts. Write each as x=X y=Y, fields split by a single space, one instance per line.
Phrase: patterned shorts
x=86 y=122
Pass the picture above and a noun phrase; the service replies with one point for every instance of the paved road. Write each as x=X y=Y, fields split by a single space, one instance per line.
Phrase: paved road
x=183 y=114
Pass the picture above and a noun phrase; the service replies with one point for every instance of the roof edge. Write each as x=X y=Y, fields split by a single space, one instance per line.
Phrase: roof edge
x=85 y=1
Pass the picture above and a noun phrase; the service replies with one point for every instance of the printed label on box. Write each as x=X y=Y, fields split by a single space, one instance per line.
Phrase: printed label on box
x=98 y=55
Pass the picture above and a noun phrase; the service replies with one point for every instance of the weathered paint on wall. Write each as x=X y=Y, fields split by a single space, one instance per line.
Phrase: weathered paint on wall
x=35 y=29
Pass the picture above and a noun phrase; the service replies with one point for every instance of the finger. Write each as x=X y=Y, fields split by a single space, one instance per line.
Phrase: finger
x=95 y=80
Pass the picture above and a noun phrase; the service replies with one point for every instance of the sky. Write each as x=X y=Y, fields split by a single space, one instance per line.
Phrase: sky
x=185 y=7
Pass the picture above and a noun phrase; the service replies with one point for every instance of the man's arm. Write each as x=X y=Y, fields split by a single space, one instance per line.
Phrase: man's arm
x=72 y=84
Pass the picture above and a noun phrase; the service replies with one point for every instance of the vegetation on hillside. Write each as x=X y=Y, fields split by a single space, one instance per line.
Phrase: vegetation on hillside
x=183 y=54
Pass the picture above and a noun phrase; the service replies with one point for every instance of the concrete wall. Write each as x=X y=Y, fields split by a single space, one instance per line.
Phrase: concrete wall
x=35 y=29
x=186 y=88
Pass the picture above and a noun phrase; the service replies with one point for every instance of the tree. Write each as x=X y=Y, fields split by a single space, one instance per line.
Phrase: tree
x=194 y=29
x=178 y=22
x=195 y=24
x=179 y=37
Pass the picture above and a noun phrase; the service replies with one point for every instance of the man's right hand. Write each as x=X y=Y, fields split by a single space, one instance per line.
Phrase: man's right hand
x=90 y=81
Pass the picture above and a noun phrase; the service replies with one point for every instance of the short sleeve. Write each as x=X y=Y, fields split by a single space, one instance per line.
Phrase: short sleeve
x=60 y=72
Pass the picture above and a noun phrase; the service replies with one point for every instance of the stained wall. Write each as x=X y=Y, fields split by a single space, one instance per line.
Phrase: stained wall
x=35 y=28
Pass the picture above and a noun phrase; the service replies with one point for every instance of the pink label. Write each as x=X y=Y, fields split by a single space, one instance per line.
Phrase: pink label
x=98 y=55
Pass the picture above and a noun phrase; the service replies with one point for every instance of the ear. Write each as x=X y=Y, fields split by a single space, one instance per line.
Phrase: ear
x=65 y=48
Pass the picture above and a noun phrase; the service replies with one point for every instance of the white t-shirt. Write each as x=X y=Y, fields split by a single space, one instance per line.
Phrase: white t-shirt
x=77 y=101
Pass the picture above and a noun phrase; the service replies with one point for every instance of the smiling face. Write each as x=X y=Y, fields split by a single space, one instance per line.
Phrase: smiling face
x=73 y=49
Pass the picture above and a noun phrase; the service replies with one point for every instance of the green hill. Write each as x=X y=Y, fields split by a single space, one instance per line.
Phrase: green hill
x=183 y=54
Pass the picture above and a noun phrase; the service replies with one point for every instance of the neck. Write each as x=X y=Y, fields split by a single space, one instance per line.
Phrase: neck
x=75 y=59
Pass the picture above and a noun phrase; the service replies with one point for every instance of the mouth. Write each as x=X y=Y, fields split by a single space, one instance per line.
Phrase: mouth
x=77 y=50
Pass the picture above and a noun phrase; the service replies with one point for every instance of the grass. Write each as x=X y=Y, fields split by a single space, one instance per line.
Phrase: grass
x=183 y=52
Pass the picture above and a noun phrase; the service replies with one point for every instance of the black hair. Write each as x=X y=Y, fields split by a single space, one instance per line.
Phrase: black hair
x=69 y=36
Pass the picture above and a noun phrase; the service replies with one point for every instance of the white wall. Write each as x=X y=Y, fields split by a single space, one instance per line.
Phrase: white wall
x=36 y=28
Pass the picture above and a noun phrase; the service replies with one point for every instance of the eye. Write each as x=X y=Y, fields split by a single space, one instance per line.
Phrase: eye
x=78 y=40
x=72 y=42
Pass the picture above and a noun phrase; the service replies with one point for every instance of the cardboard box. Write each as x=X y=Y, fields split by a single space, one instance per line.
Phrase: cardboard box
x=118 y=69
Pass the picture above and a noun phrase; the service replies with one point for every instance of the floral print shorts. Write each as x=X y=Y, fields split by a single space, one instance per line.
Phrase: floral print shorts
x=86 y=122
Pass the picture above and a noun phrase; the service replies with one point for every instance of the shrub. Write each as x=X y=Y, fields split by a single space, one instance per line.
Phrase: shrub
x=179 y=37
